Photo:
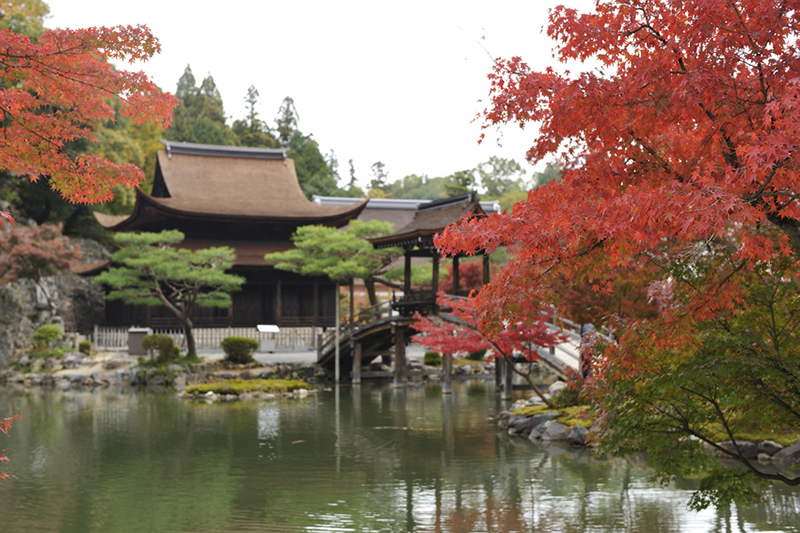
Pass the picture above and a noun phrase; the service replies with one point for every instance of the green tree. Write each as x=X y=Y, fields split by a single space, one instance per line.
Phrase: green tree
x=253 y=131
x=379 y=184
x=460 y=182
x=676 y=386
x=416 y=187
x=154 y=271
x=499 y=176
x=200 y=116
x=341 y=255
x=286 y=121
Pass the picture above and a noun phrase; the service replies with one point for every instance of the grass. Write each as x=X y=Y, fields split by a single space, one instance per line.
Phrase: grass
x=580 y=415
x=240 y=386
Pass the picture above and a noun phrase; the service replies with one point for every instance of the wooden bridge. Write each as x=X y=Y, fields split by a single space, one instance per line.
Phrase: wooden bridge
x=384 y=331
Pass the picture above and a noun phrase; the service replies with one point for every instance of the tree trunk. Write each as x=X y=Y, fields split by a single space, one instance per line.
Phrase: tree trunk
x=527 y=377
x=191 y=347
x=369 y=283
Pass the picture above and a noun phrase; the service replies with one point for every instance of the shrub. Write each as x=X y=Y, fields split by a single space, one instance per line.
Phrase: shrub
x=85 y=347
x=239 y=349
x=432 y=358
x=48 y=334
x=571 y=395
x=477 y=356
x=163 y=344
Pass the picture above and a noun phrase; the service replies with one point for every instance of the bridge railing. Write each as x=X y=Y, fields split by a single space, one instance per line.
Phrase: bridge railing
x=361 y=319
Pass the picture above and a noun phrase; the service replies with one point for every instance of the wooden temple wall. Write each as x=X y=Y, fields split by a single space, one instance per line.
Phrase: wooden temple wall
x=267 y=297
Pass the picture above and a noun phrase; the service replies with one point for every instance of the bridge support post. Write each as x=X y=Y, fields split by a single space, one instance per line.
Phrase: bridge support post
x=447 y=373
x=356 y=363
x=506 y=375
x=399 y=356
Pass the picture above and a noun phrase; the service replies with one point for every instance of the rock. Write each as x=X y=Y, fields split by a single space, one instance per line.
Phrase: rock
x=187 y=368
x=769 y=447
x=48 y=380
x=789 y=455
x=555 y=431
x=50 y=363
x=246 y=375
x=62 y=384
x=522 y=424
x=179 y=383
x=747 y=449
x=174 y=368
x=266 y=373
x=556 y=388
x=115 y=362
x=577 y=435
x=246 y=396
x=227 y=375
x=302 y=393
x=73 y=359
x=537 y=432
x=88 y=382
x=36 y=379
x=544 y=417
x=76 y=379
x=157 y=381
x=764 y=457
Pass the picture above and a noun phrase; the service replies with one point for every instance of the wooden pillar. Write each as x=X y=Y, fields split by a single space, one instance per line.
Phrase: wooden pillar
x=352 y=303
x=435 y=279
x=507 y=375
x=447 y=373
x=407 y=275
x=278 y=303
x=356 y=362
x=399 y=356
x=498 y=372
x=486 y=269
x=316 y=302
x=456 y=275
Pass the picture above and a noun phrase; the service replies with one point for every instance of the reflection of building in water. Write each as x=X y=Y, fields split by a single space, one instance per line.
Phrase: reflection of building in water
x=268 y=422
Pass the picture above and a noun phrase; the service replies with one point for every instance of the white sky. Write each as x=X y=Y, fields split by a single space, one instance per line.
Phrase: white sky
x=397 y=82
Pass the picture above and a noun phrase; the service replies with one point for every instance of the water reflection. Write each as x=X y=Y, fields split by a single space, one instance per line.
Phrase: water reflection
x=366 y=458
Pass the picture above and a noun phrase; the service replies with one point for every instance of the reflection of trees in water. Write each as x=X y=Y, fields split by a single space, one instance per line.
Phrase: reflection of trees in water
x=396 y=460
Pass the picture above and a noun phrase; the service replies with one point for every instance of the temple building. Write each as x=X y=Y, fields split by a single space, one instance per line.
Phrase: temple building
x=245 y=198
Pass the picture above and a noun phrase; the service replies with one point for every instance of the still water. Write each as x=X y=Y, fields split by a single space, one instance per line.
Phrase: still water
x=366 y=459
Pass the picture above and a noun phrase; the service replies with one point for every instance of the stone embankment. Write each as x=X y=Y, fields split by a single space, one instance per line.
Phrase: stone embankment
x=76 y=370
x=546 y=427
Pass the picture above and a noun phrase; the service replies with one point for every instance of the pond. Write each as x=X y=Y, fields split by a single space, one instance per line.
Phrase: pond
x=365 y=459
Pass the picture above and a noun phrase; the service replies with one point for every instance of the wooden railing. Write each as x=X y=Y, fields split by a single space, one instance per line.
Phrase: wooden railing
x=360 y=320
x=116 y=338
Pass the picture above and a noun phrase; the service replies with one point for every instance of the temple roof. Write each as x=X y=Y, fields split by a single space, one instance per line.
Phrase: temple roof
x=229 y=183
x=431 y=218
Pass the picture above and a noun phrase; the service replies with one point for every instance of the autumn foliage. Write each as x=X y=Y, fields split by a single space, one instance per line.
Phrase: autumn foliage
x=680 y=144
x=687 y=127
x=58 y=88
x=5 y=425
x=459 y=333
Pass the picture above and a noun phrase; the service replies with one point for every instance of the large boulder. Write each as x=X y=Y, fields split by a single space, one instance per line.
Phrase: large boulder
x=577 y=435
x=789 y=455
x=555 y=431
x=73 y=359
x=747 y=449
x=769 y=447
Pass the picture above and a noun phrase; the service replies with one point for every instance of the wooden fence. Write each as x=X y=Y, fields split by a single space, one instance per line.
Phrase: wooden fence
x=105 y=338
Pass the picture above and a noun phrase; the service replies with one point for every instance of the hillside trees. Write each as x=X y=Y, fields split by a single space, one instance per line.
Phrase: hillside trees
x=685 y=134
x=153 y=271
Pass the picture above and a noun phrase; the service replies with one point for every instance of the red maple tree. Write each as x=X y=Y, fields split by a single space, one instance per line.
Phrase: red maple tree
x=517 y=341
x=687 y=128
x=58 y=88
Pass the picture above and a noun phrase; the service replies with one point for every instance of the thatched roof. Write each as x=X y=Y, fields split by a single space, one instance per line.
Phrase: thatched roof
x=231 y=183
x=431 y=218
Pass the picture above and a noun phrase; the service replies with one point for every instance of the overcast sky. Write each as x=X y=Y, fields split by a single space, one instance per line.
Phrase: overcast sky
x=397 y=82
